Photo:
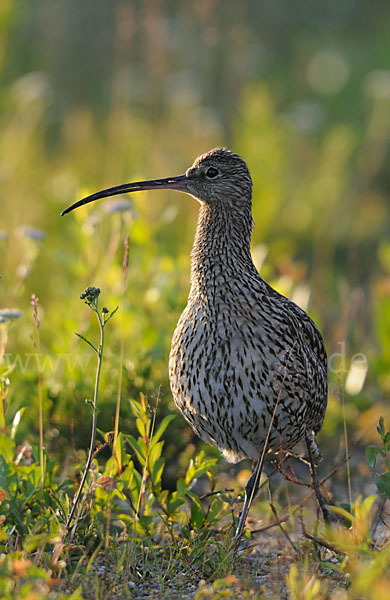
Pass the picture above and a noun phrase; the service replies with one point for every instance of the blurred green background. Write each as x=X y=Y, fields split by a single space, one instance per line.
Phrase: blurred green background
x=98 y=93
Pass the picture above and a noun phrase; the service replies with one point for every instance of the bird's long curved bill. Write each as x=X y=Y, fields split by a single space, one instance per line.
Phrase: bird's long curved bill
x=178 y=183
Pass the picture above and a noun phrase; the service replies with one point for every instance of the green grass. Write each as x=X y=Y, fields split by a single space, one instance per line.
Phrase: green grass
x=125 y=534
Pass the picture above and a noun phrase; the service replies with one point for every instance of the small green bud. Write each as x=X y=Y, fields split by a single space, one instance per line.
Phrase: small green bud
x=90 y=295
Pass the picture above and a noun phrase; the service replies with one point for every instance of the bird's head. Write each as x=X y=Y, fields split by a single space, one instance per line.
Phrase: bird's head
x=219 y=176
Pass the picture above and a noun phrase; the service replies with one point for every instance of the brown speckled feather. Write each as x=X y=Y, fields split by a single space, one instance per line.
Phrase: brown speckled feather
x=240 y=345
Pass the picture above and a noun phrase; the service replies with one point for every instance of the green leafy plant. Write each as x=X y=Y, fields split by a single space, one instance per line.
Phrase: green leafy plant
x=302 y=585
x=29 y=506
x=21 y=578
x=91 y=297
x=373 y=452
x=131 y=484
x=25 y=507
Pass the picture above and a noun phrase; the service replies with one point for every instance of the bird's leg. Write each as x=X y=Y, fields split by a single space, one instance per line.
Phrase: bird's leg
x=251 y=489
x=314 y=478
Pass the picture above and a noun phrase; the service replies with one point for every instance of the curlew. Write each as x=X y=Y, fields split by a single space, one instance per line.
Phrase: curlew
x=247 y=366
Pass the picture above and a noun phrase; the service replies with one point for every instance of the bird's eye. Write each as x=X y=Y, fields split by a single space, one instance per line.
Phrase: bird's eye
x=212 y=172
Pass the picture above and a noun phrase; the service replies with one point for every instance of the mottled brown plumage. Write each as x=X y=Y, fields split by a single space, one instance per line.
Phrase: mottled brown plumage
x=239 y=345
x=242 y=354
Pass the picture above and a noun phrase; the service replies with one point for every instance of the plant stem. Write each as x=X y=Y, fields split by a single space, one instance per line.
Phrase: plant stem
x=94 y=420
x=3 y=405
x=122 y=349
x=37 y=344
x=341 y=392
x=119 y=393
x=41 y=456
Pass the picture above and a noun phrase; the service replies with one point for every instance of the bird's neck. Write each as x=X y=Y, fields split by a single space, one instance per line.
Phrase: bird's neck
x=222 y=243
